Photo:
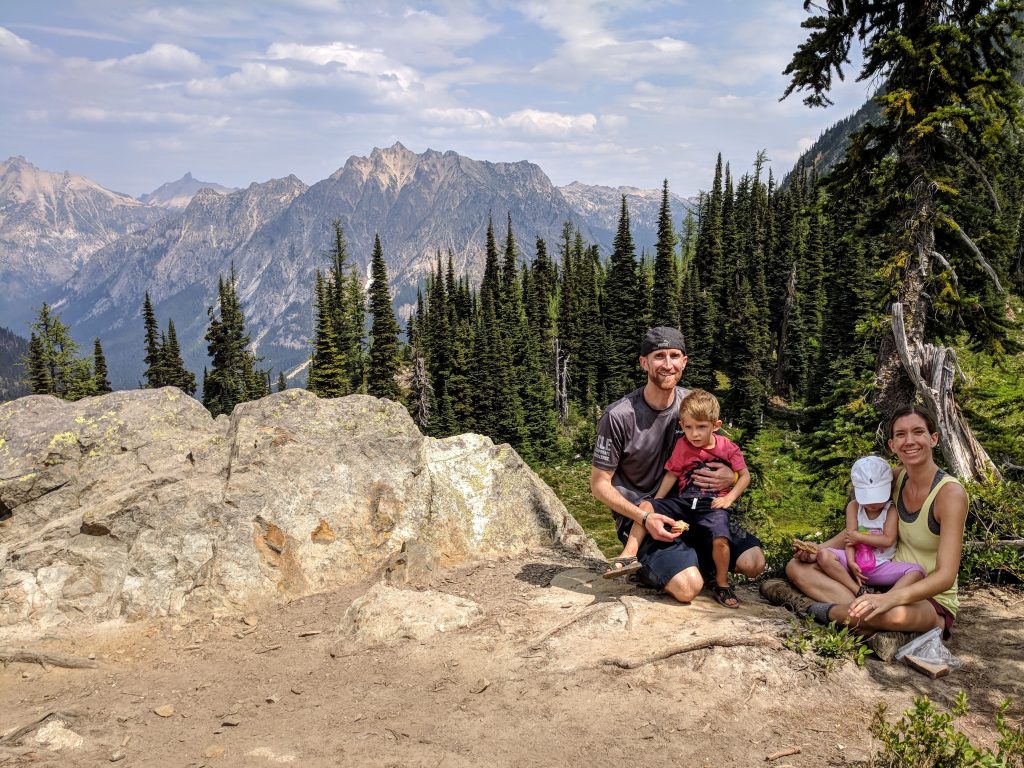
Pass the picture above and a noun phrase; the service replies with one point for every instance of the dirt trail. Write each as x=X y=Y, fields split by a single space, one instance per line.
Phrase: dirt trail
x=279 y=687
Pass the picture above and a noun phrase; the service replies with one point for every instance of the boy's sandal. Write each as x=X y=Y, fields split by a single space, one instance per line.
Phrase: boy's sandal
x=622 y=566
x=862 y=591
x=724 y=595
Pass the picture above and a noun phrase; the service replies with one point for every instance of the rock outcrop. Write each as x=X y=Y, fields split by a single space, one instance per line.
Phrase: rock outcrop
x=138 y=503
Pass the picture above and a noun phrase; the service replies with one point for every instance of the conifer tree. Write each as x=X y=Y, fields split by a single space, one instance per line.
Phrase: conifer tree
x=336 y=365
x=233 y=377
x=38 y=365
x=353 y=324
x=53 y=363
x=384 y=345
x=99 y=368
x=172 y=366
x=324 y=377
x=950 y=73
x=624 y=303
x=152 y=360
x=282 y=385
x=665 y=302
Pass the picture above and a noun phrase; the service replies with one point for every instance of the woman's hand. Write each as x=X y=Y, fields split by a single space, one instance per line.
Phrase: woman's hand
x=866 y=606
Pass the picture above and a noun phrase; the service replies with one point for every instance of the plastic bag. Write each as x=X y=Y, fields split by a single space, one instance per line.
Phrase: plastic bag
x=928 y=647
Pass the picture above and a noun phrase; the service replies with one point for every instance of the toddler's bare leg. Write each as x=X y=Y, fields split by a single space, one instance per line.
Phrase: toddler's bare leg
x=720 y=554
x=908 y=578
x=830 y=564
x=636 y=533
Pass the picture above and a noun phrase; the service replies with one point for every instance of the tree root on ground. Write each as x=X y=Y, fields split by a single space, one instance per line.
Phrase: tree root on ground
x=17 y=733
x=593 y=607
x=10 y=655
x=754 y=641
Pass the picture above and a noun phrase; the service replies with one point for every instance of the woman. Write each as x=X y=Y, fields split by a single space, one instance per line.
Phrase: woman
x=932 y=509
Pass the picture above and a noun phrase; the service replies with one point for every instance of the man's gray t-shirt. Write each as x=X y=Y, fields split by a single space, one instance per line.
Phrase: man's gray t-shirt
x=634 y=441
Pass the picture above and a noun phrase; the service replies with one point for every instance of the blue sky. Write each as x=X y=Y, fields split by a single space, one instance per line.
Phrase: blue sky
x=133 y=93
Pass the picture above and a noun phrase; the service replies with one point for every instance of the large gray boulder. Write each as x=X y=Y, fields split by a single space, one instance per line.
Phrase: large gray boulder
x=138 y=503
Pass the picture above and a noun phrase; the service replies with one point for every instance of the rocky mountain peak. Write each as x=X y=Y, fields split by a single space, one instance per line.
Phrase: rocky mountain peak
x=176 y=195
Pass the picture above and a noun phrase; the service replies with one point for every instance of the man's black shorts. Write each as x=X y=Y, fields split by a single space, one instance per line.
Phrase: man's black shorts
x=663 y=560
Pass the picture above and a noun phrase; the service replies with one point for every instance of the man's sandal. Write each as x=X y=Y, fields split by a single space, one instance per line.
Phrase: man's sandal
x=725 y=596
x=622 y=566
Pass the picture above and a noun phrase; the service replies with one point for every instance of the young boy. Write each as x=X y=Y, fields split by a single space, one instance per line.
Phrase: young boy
x=705 y=509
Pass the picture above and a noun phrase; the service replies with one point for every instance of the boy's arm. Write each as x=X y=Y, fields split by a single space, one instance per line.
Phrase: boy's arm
x=737 y=490
x=667 y=482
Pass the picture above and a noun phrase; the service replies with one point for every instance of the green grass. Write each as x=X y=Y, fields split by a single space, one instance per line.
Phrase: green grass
x=571 y=483
x=992 y=395
x=785 y=497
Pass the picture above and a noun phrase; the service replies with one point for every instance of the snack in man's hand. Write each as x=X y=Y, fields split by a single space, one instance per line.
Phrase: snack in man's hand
x=680 y=526
x=805 y=546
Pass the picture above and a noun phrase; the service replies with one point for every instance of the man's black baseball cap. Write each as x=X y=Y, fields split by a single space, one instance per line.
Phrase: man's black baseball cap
x=662 y=337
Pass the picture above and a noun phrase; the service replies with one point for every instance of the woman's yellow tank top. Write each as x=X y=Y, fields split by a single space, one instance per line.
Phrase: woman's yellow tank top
x=917 y=543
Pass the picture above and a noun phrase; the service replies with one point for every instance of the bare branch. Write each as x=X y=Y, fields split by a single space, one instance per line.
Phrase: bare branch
x=942 y=260
x=977 y=169
x=977 y=255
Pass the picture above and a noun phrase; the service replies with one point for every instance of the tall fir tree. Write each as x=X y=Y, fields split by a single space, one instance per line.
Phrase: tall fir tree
x=99 y=368
x=233 y=377
x=153 y=373
x=951 y=87
x=665 y=302
x=172 y=366
x=383 y=363
x=624 y=304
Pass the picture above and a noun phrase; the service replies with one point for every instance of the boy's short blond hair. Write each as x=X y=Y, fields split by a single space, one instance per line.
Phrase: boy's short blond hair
x=700 y=405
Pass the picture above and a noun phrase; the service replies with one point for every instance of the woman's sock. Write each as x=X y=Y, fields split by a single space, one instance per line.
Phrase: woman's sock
x=820 y=611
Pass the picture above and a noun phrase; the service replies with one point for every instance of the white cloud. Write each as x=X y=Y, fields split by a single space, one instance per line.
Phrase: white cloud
x=590 y=49
x=252 y=77
x=351 y=57
x=534 y=122
x=524 y=123
x=159 y=59
x=160 y=118
x=19 y=50
x=463 y=117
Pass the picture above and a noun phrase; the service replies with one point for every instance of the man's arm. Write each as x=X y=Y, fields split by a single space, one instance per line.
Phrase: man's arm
x=601 y=487
x=715 y=477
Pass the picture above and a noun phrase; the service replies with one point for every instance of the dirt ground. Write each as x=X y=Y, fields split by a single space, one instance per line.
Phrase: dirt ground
x=524 y=686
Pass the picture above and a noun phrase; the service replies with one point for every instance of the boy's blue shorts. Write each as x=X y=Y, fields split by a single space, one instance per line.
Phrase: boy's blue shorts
x=703 y=519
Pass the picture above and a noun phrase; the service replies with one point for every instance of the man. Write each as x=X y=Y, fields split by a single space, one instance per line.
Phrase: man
x=634 y=440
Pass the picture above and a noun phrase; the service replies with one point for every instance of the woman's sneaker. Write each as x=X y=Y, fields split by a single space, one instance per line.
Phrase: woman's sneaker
x=781 y=592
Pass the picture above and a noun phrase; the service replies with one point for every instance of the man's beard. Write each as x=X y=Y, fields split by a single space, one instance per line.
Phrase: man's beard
x=664 y=381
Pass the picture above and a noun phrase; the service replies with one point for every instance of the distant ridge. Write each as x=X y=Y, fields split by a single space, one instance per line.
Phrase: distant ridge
x=50 y=224
x=276 y=233
x=176 y=195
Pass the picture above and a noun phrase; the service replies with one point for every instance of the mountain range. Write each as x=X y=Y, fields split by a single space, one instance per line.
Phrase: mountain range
x=95 y=261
